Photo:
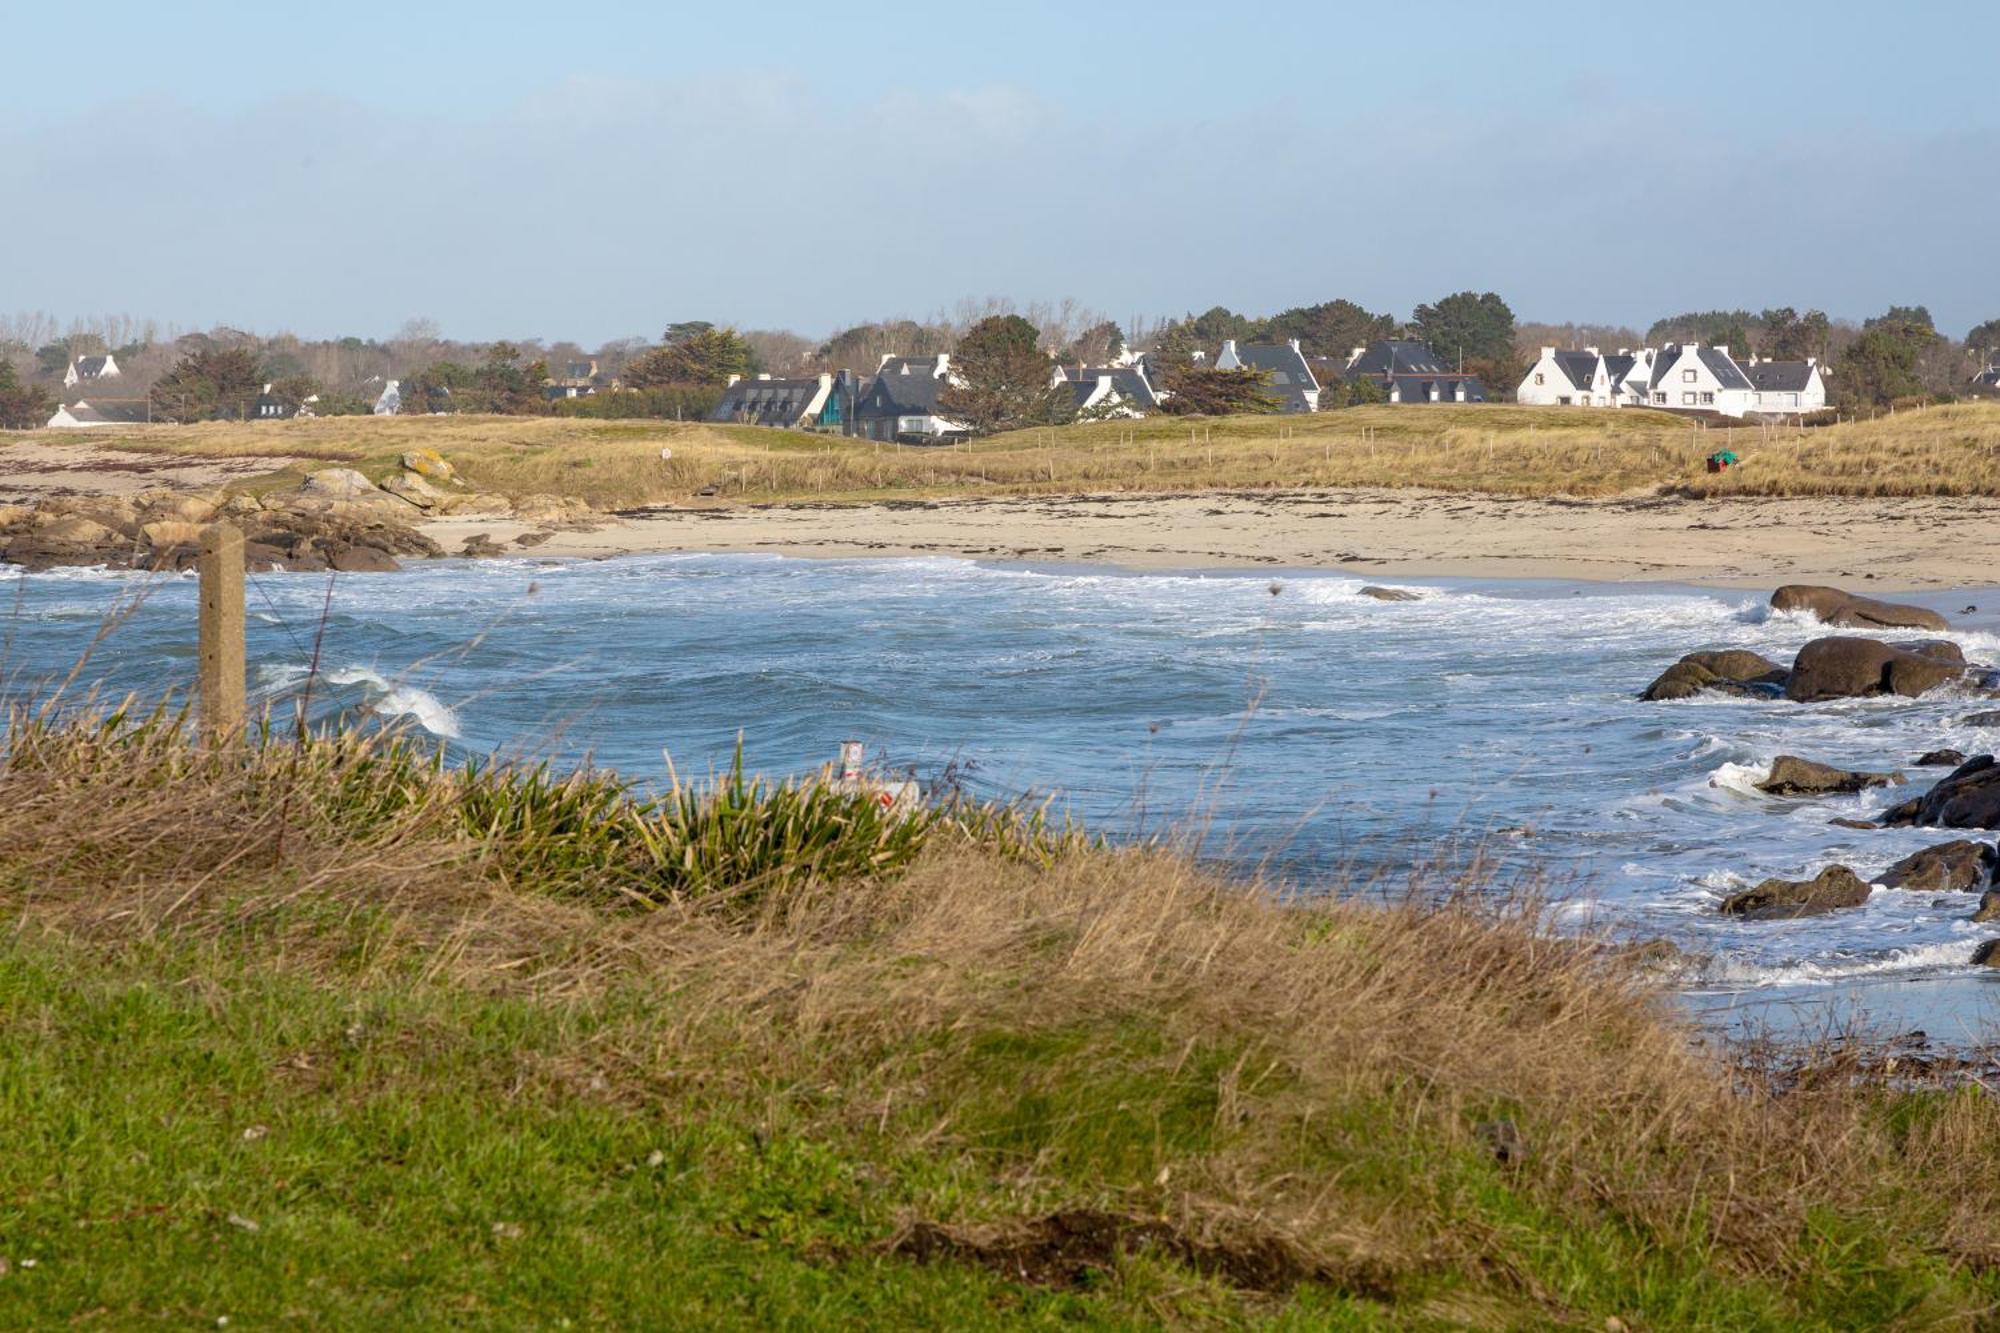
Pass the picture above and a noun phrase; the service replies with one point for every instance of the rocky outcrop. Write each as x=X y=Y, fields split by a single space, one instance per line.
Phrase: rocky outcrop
x=1938 y=759
x=1388 y=594
x=1989 y=906
x=1969 y=797
x=1841 y=667
x=1793 y=776
x=1835 y=606
x=1727 y=671
x=1986 y=954
x=430 y=465
x=1949 y=867
x=1831 y=890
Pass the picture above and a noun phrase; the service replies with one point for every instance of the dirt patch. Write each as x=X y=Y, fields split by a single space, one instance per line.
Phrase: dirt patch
x=41 y=470
x=1070 y=1249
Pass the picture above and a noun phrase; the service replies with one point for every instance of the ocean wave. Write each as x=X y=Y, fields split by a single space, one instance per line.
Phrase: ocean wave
x=1727 y=971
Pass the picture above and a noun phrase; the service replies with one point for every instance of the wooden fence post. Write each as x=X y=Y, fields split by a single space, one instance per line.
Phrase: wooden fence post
x=221 y=635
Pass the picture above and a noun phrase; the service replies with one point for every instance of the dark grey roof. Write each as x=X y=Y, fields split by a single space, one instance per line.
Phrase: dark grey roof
x=758 y=402
x=1618 y=365
x=1727 y=374
x=113 y=412
x=90 y=367
x=1398 y=356
x=1418 y=388
x=1129 y=381
x=905 y=386
x=1580 y=368
x=1988 y=378
x=1780 y=376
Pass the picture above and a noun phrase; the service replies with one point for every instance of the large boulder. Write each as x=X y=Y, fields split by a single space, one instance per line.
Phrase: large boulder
x=1969 y=797
x=430 y=465
x=1388 y=594
x=413 y=489
x=1833 y=606
x=1726 y=671
x=1842 y=667
x=1938 y=759
x=1833 y=888
x=165 y=532
x=1949 y=867
x=349 y=558
x=338 y=483
x=1793 y=776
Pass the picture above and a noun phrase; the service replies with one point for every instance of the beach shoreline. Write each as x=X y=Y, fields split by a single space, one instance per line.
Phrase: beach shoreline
x=1881 y=545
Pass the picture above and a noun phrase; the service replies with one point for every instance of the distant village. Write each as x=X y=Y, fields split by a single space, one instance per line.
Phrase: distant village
x=905 y=396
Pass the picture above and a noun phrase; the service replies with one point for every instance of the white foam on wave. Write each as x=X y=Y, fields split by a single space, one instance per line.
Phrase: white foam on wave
x=1740 y=778
x=1728 y=971
x=398 y=700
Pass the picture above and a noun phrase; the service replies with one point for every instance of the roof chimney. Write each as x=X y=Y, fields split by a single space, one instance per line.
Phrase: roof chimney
x=1723 y=348
x=1548 y=353
x=1593 y=351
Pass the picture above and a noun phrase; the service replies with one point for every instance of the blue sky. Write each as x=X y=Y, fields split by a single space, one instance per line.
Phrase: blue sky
x=599 y=171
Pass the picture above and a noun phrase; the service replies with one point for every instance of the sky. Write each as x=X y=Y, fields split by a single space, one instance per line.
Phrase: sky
x=600 y=171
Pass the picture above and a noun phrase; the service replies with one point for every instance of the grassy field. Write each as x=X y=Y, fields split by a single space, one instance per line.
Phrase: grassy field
x=325 y=1036
x=1497 y=449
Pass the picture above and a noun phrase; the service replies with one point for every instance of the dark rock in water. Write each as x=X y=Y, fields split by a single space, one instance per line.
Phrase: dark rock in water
x=1833 y=606
x=1847 y=668
x=1989 y=719
x=351 y=559
x=1949 y=867
x=1389 y=594
x=1939 y=759
x=1728 y=671
x=481 y=546
x=1969 y=797
x=1989 y=906
x=1792 y=776
x=1783 y=899
x=1853 y=823
x=1987 y=954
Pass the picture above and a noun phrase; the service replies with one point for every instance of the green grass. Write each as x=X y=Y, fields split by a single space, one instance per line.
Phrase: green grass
x=330 y=1037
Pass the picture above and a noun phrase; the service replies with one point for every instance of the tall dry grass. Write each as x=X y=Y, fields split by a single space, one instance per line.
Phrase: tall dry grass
x=1115 y=1028
x=1499 y=449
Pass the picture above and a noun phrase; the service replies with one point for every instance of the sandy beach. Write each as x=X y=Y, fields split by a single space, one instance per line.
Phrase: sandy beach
x=1888 y=544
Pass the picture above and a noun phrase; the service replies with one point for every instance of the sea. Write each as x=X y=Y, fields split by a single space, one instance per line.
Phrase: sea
x=1279 y=724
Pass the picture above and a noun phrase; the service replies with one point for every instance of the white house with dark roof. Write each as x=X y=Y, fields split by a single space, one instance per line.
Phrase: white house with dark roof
x=1291 y=379
x=86 y=369
x=1408 y=371
x=1688 y=377
x=1568 y=379
x=1631 y=376
x=111 y=412
x=821 y=401
x=1115 y=391
x=1784 y=387
x=901 y=402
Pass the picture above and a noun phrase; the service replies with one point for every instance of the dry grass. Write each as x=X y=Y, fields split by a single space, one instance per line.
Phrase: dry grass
x=1497 y=449
x=1104 y=1029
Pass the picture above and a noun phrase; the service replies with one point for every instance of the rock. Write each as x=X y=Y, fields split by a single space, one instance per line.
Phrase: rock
x=167 y=532
x=1989 y=719
x=1853 y=823
x=430 y=465
x=1939 y=759
x=1833 y=606
x=339 y=483
x=480 y=546
x=1969 y=797
x=532 y=538
x=1986 y=954
x=550 y=509
x=76 y=530
x=180 y=509
x=1728 y=671
x=1949 y=867
x=1841 y=667
x=477 y=505
x=410 y=487
x=1792 y=776
x=13 y=516
x=1989 y=906
x=1389 y=594
x=1782 y=899
x=352 y=559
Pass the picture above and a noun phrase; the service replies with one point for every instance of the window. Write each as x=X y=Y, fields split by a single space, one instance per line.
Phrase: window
x=1687 y=400
x=1539 y=377
x=1687 y=377
x=1707 y=399
x=1660 y=398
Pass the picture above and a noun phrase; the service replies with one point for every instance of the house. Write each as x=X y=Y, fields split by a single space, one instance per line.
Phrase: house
x=1568 y=379
x=1103 y=392
x=1407 y=371
x=824 y=402
x=390 y=401
x=578 y=380
x=1631 y=376
x=1691 y=378
x=1290 y=379
x=107 y=412
x=1786 y=387
x=1987 y=380
x=901 y=402
x=84 y=369
x=270 y=407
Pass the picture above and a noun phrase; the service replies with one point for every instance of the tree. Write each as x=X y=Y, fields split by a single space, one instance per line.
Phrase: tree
x=1468 y=327
x=1203 y=391
x=700 y=355
x=1002 y=380
x=1984 y=340
x=1098 y=345
x=1788 y=336
x=1884 y=364
x=1913 y=316
x=209 y=383
x=22 y=406
x=1332 y=328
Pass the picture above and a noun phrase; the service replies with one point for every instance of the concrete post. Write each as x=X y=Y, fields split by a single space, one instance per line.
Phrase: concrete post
x=221 y=635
